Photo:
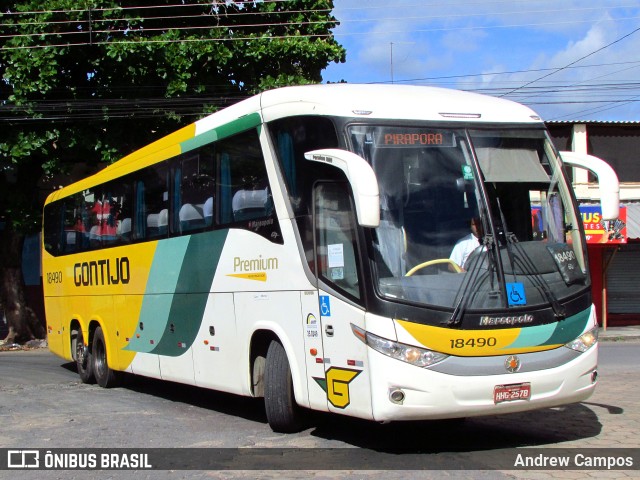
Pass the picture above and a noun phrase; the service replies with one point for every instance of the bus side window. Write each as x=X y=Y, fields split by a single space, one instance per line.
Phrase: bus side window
x=152 y=198
x=244 y=191
x=335 y=234
x=194 y=190
x=90 y=208
x=292 y=137
x=54 y=235
x=73 y=225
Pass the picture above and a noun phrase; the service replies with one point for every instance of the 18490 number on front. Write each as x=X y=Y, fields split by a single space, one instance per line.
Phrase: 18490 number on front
x=479 y=342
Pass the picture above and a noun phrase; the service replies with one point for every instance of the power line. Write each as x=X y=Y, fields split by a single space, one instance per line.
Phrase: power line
x=600 y=109
x=213 y=4
x=181 y=40
x=573 y=63
x=447 y=16
x=509 y=72
x=134 y=30
x=80 y=22
x=556 y=89
x=337 y=34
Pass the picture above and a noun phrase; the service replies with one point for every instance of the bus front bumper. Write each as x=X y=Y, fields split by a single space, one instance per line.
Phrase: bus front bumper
x=401 y=391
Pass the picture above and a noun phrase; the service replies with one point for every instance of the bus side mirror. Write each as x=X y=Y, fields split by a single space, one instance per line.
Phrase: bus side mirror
x=361 y=177
x=607 y=181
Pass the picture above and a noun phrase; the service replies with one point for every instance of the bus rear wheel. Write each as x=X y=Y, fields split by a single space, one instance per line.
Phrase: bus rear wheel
x=105 y=376
x=283 y=413
x=84 y=360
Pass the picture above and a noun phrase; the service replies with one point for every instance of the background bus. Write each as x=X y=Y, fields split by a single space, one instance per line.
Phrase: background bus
x=296 y=246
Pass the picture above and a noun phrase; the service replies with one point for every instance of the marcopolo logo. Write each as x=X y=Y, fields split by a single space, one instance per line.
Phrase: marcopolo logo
x=511 y=320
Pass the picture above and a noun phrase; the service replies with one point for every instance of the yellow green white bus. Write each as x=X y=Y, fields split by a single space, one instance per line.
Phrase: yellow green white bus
x=297 y=246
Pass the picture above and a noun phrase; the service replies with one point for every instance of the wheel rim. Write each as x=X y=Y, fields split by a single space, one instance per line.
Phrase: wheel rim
x=80 y=352
x=101 y=360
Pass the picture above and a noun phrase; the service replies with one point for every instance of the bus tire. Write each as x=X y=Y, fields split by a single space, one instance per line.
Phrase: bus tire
x=283 y=413
x=105 y=376
x=84 y=360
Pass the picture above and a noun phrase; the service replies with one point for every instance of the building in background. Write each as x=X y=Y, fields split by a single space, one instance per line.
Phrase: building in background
x=614 y=248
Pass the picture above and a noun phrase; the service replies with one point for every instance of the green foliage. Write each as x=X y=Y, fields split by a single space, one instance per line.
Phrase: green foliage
x=92 y=80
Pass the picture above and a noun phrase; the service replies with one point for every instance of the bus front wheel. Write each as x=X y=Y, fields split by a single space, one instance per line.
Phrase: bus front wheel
x=105 y=376
x=283 y=413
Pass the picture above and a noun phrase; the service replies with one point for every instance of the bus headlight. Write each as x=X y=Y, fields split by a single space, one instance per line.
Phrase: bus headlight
x=585 y=341
x=421 y=357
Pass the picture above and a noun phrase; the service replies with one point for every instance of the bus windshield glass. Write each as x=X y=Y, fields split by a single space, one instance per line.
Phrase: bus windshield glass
x=472 y=218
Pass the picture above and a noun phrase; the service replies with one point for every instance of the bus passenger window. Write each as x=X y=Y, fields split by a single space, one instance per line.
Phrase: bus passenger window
x=244 y=187
x=115 y=210
x=194 y=191
x=335 y=233
x=152 y=212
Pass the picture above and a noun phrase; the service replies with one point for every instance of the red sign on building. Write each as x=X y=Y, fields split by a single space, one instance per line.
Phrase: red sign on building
x=603 y=231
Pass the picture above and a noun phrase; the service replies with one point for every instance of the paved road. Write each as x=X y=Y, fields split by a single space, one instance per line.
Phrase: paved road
x=43 y=405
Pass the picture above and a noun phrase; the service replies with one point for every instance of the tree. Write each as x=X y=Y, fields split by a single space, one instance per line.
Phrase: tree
x=91 y=81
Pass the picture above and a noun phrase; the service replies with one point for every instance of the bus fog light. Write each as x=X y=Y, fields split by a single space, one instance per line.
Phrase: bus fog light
x=396 y=396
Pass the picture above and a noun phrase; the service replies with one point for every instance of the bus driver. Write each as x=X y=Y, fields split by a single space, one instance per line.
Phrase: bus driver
x=467 y=244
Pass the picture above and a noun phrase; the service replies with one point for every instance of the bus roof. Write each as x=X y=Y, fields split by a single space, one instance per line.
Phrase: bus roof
x=406 y=102
x=392 y=102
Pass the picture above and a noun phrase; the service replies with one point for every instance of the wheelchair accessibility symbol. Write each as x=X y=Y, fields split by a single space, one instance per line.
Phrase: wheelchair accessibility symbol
x=515 y=294
x=325 y=306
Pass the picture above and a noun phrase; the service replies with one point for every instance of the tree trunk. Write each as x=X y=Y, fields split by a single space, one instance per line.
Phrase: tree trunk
x=22 y=321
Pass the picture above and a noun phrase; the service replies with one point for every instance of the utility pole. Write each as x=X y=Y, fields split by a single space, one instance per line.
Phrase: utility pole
x=90 y=26
x=391 y=44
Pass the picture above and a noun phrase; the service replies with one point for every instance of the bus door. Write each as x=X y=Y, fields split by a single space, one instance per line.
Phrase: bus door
x=346 y=379
x=313 y=349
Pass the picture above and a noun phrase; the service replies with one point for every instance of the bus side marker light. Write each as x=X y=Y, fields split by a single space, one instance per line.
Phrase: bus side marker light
x=214 y=349
x=319 y=360
x=313 y=351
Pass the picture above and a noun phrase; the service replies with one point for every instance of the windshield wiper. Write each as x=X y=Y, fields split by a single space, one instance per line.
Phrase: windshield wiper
x=537 y=279
x=529 y=268
x=474 y=279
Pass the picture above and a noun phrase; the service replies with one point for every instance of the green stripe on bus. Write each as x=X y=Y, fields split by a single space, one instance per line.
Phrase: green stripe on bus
x=158 y=296
x=533 y=336
x=223 y=131
x=557 y=333
x=569 y=328
x=192 y=292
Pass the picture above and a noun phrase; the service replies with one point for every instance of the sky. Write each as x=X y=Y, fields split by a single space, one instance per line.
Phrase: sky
x=566 y=59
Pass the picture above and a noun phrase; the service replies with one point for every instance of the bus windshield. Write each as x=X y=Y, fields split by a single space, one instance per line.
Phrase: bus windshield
x=472 y=219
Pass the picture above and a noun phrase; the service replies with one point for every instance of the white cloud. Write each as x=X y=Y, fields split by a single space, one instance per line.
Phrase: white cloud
x=472 y=40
